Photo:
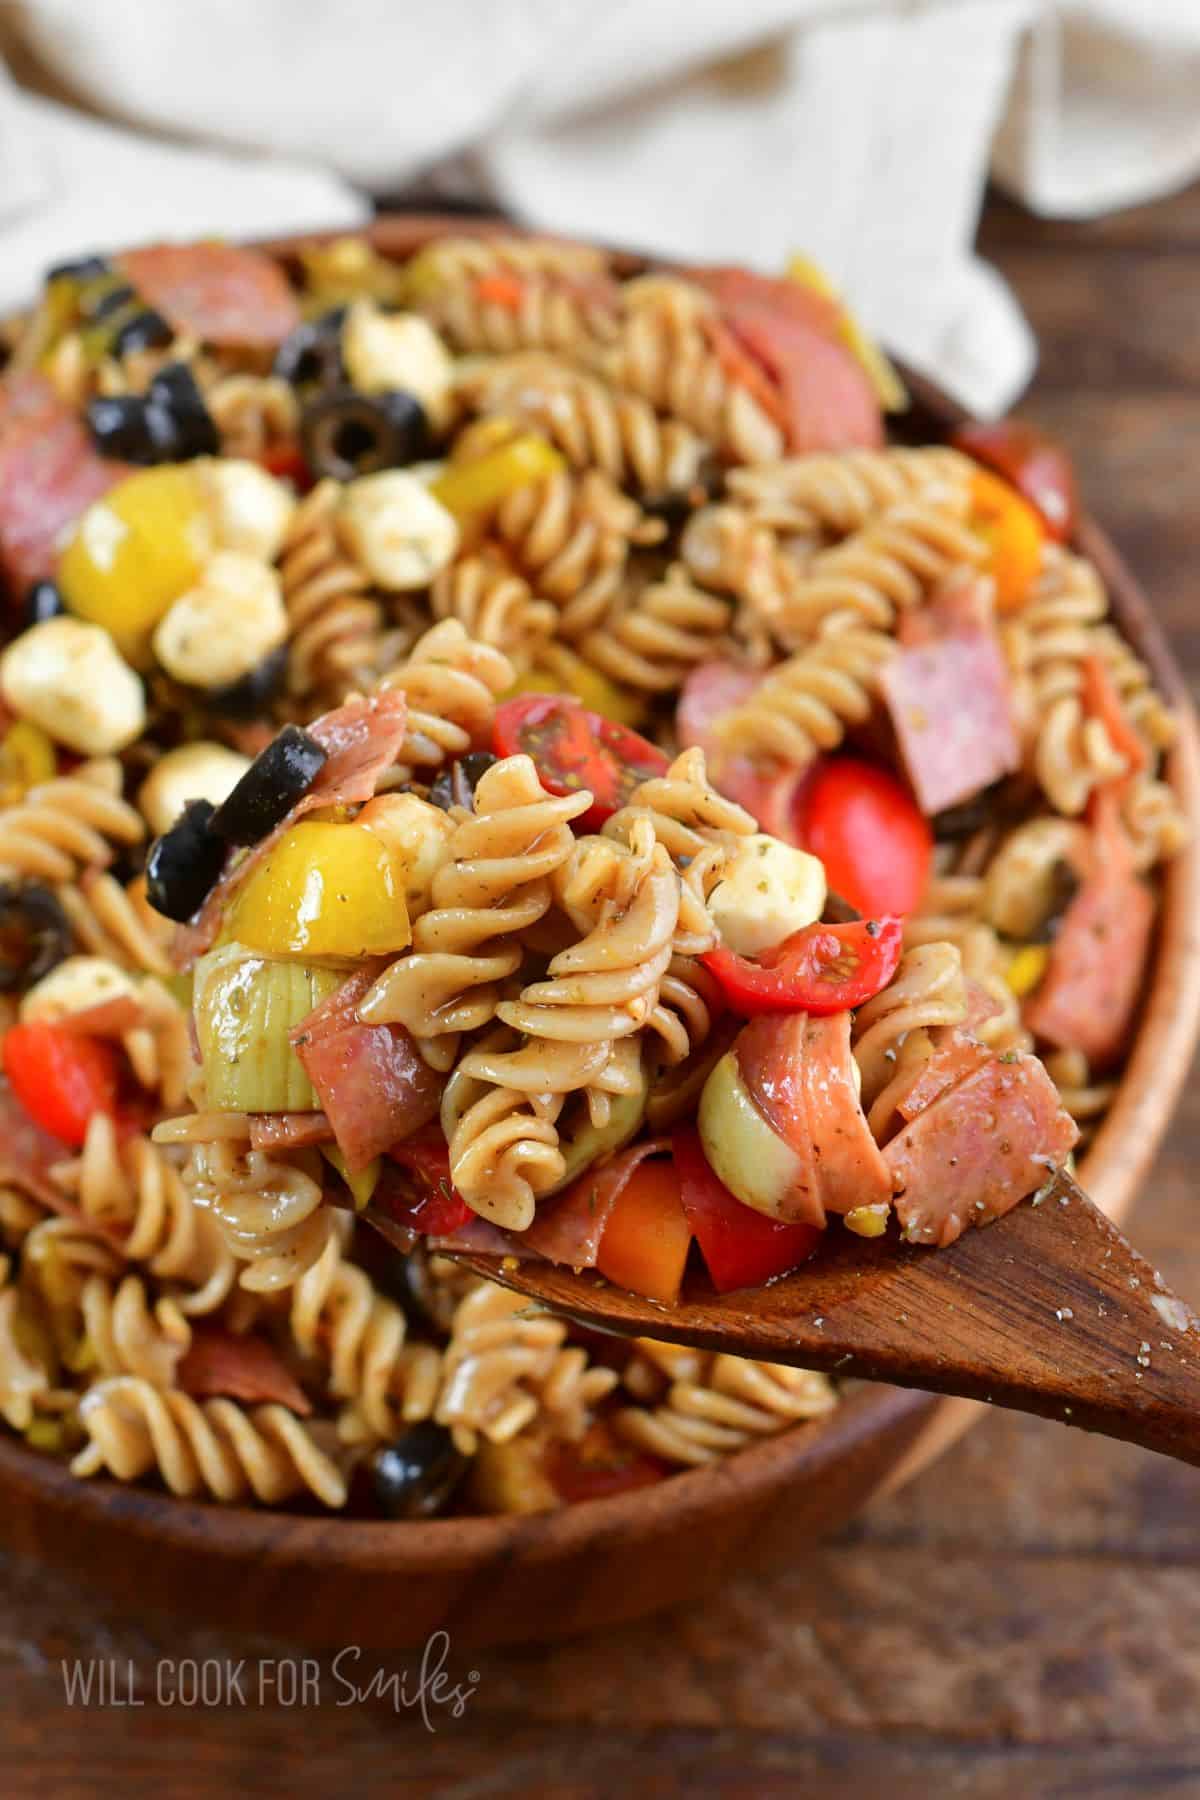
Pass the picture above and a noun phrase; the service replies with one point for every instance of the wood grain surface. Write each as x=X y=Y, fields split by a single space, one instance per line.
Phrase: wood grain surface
x=1023 y=1620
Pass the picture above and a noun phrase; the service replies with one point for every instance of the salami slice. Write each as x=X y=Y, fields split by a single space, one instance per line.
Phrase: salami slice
x=220 y=293
x=50 y=472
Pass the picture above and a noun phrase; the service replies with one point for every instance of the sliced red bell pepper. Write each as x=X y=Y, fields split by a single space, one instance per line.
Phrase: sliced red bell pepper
x=1102 y=701
x=427 y=1201
x=645 y=1243
x=574 y=749
x=822 y=969
x=741 y=1247
x=287 y=461
x=500 y=288
x=61 y=1078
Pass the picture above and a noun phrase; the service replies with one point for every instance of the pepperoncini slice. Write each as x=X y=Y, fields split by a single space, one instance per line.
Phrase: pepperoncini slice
x=469 y=488
x=560 y=671
x=361 y=1185
x=134 y=552
x=324 y=890
x=1026 y=969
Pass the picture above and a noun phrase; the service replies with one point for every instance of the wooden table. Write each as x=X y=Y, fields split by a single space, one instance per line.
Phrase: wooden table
x=1023 y=1620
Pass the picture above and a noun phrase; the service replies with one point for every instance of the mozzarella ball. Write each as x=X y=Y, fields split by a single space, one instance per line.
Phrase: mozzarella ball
x=768 y=891
x=75 y=985
x=224 y=626
x=400 y=534
x=417 y=834
x=70 y=678
x=250 y=510
x=200 y=771
x=383 y=351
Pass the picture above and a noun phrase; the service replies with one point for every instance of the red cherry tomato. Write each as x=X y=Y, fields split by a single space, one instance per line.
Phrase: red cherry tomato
x=61 y=1078
x=427 y=1202
x=870 y=834
x=574 y=749
x=600 y=1465
x=822 y=969
x=1035 y=465
x=741 y=1247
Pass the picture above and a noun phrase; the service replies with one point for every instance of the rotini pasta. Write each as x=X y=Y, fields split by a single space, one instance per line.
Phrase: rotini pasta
x=805 y=704
x=451 y=684
x=334 y=622
x=720 y=1404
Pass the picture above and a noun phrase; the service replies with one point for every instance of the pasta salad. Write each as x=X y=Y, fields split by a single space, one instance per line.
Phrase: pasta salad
x=505 y=744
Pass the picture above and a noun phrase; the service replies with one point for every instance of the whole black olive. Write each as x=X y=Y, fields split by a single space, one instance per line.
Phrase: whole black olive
x=253 y=692
x=35 y=934
x=456 y=785
x=108 y=303
x=311 y=356
x=80 y=268
x=42 y=601
x=185 y=863
x=416 y=1476
x=278 y=777
x=120 y=428
x=146 y=330
x=346 y=434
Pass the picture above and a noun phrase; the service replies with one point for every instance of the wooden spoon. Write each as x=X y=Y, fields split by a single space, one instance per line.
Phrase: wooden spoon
x=1050 y=1311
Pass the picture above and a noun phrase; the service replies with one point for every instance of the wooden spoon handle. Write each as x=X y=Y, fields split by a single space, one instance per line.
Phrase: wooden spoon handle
x=1049 y=1311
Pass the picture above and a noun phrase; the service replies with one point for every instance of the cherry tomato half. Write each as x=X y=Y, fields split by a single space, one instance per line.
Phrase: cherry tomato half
x=61 y=1078
x=822 y=969
x=1035 y=465
x=575 y=749
x=867 y=829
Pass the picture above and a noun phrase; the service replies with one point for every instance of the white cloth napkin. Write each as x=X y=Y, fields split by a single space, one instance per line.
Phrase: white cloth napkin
x=858 y=130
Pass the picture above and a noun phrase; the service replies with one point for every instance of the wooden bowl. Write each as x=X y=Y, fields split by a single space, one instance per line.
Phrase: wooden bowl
x=500 y=1580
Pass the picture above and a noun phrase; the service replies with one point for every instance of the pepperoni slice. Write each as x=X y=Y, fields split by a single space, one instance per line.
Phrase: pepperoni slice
x=50 y=472
x=221 y=293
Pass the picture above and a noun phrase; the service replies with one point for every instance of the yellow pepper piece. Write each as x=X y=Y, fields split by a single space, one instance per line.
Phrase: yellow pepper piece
x=134 y=552
x=46 y=1434
x=561 y=671
x=1026 y=969
x=1014 y=534
x=324 y=891
x=890 y=391
x=867 y=1221
x=347 y=269
x=27 y=757
x=474 y=487
x=362 y=1185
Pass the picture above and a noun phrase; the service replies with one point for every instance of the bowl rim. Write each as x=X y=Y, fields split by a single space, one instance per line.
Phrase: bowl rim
x=1118 y=1157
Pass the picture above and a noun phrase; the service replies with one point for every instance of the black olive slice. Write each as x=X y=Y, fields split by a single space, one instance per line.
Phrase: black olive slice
x=456 y=785
x=80 y=268
x=252 y=693
x=35 y=934
x=311 y=356
x=416 y=1476
x=109 y=303
x=837 y=911
x=119 y=428
x=42 y=601
x=346 y=434
x=185 y=863
x=278 y=777
x=146 y=330
x=178 y=412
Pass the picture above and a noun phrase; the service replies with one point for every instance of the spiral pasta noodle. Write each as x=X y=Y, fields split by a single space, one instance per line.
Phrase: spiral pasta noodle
x=721 y=1404
x=506 y=1366
x=891 y=1032
x=252 y=412
x=269 y=1210
x=663 y=355
x=68 y=824
x=452 y=685
x=596 y=426
x=494 y=884
x=730 y=549
x=215 y=1447
x=132 y=1190
x=494 y=604
x=805 y=704
x=652 y=636
x=107 y=921
x=334 y=624
x=893 y=562
x=572 y=536
x=839 y=494
x=544 y=308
